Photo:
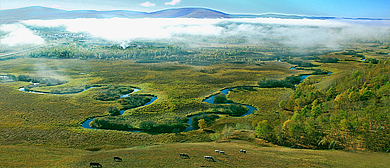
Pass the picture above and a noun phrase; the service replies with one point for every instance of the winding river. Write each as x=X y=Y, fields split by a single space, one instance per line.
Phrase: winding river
x=209 y=100
x=86 y=123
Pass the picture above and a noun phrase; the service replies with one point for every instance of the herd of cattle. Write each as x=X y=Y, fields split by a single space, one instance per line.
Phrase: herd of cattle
x=217 y=151
x=182 y=155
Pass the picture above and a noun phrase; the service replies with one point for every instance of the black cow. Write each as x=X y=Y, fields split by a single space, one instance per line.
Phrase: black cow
x=209 y=158
x=95 y=165
x=185 y=156
x=243 y=151
x=117 y=159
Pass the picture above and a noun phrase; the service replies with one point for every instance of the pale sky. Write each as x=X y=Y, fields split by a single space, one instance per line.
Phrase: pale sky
x=338 y=8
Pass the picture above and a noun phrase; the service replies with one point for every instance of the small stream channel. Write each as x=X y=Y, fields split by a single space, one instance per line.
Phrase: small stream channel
x=86 y=124
x=210 y=100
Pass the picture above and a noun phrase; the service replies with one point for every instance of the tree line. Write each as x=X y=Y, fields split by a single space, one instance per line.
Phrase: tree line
x=157 y=52
x=352 y=113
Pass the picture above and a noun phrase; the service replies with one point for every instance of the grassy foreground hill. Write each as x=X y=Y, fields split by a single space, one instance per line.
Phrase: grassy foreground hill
x=167 y=155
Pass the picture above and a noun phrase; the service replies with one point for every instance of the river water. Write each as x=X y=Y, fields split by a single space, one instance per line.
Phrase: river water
x=86 y=123
x=210 y=100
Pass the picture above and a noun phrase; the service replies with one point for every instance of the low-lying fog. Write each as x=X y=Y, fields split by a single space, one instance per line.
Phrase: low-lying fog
x=291 y=32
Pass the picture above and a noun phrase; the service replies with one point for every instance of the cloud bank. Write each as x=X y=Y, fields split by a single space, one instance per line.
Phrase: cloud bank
x=290 y=32
x=17 y=34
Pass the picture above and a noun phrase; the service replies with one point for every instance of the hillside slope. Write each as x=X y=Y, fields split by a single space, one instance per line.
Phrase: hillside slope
x=167 y=155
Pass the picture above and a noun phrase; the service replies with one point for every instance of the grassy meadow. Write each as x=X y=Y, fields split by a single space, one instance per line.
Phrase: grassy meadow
x=258 y=154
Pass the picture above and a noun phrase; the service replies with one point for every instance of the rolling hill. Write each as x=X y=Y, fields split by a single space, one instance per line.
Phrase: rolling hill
x=44 y=13
x=188 y=13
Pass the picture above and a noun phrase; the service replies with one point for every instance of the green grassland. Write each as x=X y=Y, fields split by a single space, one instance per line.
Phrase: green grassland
x=167 y=155
x=50 y=125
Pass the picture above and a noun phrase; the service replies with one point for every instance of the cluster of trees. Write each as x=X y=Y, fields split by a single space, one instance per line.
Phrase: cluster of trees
x=230 y=109
x=288 y=82
x=201 y=121
x=221 y=98
x=112 y=122
x=353 y=113
x=327 y=59
x=165 y=127
x=111 y=93
x=120 y=123
x=113 y=111
x=372 y=60
x=360 y=56
x=69 y=90
x=320 y=72
x=134 y=101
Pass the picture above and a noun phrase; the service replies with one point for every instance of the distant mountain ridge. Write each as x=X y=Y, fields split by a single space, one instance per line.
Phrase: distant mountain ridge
x=44 y=13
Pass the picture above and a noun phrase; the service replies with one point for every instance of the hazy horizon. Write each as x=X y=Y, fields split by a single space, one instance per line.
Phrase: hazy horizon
x=301 y=33
x=355 y=9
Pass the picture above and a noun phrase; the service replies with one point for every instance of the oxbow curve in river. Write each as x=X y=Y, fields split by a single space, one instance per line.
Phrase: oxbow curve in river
x=86 y=123
x=210 y=100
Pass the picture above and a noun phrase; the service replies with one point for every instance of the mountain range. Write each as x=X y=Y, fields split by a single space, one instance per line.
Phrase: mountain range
x=44 y=13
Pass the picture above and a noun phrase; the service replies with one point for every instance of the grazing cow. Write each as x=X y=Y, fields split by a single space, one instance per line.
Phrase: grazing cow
x=117 y=159
x=221 y=152
x=185 y=156
x=216 y=151
x=95 y=165
x=209 y=158
x=243 y=151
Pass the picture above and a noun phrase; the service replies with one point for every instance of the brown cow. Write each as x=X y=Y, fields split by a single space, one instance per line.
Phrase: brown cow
x=95 y=165
x=117 y=159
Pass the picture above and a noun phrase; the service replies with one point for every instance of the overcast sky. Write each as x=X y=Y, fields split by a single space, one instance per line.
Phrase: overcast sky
x=340 y=8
